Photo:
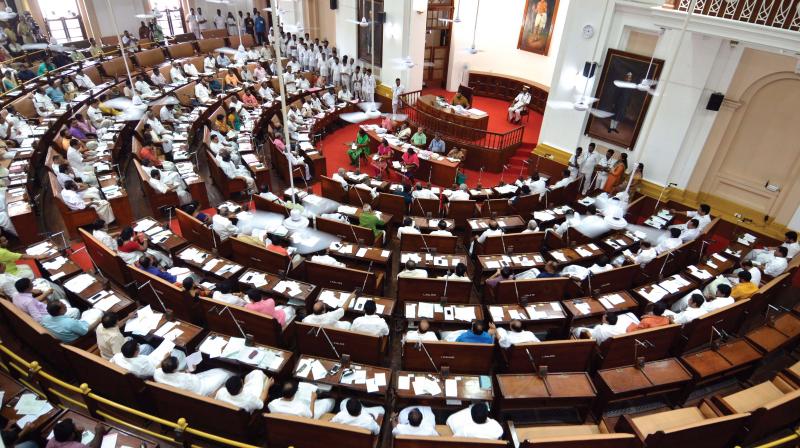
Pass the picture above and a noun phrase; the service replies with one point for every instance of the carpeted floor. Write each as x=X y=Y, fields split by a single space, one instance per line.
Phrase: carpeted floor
x=333 y=145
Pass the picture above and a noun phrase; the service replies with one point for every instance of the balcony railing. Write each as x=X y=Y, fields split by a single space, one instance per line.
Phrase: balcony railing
x=784 y=14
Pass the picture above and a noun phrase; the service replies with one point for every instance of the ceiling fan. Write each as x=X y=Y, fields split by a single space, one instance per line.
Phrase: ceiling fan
x=582 y=103
x=130 y=110
x=363 y=23
x=371 y=111
x=457 y=19
x=472 y=48
x=645 y=85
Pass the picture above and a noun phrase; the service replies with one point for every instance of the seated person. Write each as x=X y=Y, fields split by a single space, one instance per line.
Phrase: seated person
x=516 y=336
x=351 y=412
x=532 y=227
x=411 y=271
x=34 y=301
x=549 y=270
x=671 y=242
x=691 y=232
x=565 y=180
x=68 y=435
x=64 y=328
x=268 y=307
x=147 y=265
x=328 y=260
x=204 y=383
x=493 y=230
x=644 y=255
x=500 y=275
x=223 y=293
x=248 y=394
x=135 y=359
x=744 y=287
x=109 y=337
x=407 y=227
x=320 y=317
x=474 y=422
x=301 y=403
x=224 y=223
x=420 y=192
x=422 y=333
x=775 y=263
x=655 y=318
x=460 y=274
x=721 y=299
x=414 y=423
x=692 y=312
x=462 y=194
x=608 y=327
x=441 y=229
x=370 y=322
x=478 y=334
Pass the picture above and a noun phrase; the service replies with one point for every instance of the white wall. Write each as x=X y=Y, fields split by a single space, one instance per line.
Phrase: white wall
x=124 y=12
x=499 y=23
x=403 y=36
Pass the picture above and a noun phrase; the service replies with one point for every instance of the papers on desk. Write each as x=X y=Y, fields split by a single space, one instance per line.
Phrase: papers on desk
x=465 y=313
x=450 y=388
x=719 y=257
x=558 y=256
x=109 y=441
x=614 y=299
x=506 y=189
x=497 y=313
x=144 y=322
x=404 y=382
x=656 y=293
x=410 y=256
x=213 y=346
x=593 y=246
x=39 y=249
x=29 y=404
x=544 y=216
x=583 y=252
x=256 y=279
x=333 y=300
x=165 y=328
x=583 y=307
x=55 y=264
x=673 y=284
x=291 y=288
x=161 y=351
x=411 y=311
x=144 y=225
x=193 y=254
x=79 y=283
x=534 y=314
x=347 y=210
x=179 y=272
x=107 y=302
x=425 y=386
x=426 y=310
x=702 y=274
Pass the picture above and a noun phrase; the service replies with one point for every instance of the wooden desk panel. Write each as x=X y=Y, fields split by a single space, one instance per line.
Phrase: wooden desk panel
x=439 y=263
x=555 y=390
x=654 y=377
x=467 y=389
x=427 y=104
x=598 y=307
x=335 y=380
x=709 y=364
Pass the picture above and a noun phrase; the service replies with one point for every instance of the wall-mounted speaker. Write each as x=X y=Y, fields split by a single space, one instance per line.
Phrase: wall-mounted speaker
x=334 y=4
x=715 y=101
x=589 y=69
x=380 y=17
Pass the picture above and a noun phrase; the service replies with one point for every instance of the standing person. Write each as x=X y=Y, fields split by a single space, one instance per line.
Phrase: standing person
x=615 y=175
x=144 y=31
x=603 y=167
x=344 y=68
x=250 y=25
x=201 y=20
x=358 y=78
x=230 y=22
x=194 y=24
x=368 y=86
x=219 y=21
x=587 y=168
x=397 y=90
x=260 y=26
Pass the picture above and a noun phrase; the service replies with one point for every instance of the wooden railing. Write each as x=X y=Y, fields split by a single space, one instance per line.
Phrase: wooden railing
x=783 y=14
x=458 y=134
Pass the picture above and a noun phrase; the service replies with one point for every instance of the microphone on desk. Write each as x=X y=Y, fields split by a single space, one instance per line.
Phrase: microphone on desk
x=167 y=312
x=366 y=277
x=321 y=329
x=540 y=371
x=248 y=339
x=645 y=344
x=720 y=333
x=420 y=346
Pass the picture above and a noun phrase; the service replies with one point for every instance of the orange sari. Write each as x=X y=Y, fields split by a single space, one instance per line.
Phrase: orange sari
x=613 y=177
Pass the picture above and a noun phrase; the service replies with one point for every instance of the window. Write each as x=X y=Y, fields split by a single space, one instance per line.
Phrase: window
x=169 y=16
x=63 y=20
x=368 y=43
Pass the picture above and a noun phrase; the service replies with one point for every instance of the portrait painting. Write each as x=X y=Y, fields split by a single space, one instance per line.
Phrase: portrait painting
x=626 y=87
x=538 y=21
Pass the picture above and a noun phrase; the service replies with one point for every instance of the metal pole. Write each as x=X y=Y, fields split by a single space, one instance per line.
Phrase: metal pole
x=121 y=47
x=279 y=66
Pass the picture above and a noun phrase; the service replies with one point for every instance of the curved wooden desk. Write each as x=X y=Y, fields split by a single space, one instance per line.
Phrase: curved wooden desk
x=427 y=104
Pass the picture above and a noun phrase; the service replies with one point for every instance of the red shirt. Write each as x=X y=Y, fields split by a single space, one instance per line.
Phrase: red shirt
x=129 y=246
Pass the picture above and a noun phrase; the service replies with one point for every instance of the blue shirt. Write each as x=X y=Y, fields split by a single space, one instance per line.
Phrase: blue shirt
x=545 y=274
x=437 y=146
x=260 y=24
x=472 y=338
x=55 y=94
x=65 y=329
x=162 y=274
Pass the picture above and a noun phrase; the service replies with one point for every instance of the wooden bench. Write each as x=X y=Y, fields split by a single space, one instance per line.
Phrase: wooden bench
x=699 y=331
x=257 y=257
x=518 y=242
x=362 y=347
x=568 y=436
x=443 y=441
x=349 y=232
x=423 y=207
x=228 y=187
x=285 y=431
x=513 y=292
x=156 y=199
x=412 y=242
x=197 y=233
x=73 y=219
x=460 y=357
x=107 y=379
x=619 y=350
x=574 y=355
x=108 y=261
x=432 y=290
x=264 y=329
x=172 y=296
x=460 y=211
x=344 y=279
x=332 y=190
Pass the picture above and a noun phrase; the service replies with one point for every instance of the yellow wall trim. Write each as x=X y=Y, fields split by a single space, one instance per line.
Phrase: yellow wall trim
x=719 y=206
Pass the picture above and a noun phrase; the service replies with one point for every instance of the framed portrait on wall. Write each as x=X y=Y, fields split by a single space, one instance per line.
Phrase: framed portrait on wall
x=624 y=92
x=538 y=21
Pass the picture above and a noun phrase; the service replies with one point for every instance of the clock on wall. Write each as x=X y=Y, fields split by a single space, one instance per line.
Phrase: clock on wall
x=588 y=31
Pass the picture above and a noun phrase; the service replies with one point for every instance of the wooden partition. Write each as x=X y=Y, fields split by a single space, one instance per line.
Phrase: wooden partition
x=116 y=67
x=107 y=379
x=362 y=347
x=285 y=430
x=432 y=290
x=412 y=242
x=460 y=357
x=257 y=257
x=197 y=233
x=534 y=290
x=183 y=50
x=211 y=44
x=701 y=330
x=332 y=190
x=559 y=356
x=343 y=279
x=172 y=296
x=621 y=350
x=521 y=243
x=349 y=232
x=150 y=58
x=265 y=329
x=109 y=263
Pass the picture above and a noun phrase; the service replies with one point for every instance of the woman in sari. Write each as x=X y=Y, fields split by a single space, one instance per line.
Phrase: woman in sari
x=616 y=173
x=361 y=148
x=233 y=119
x=410 y=163
x=383 y=158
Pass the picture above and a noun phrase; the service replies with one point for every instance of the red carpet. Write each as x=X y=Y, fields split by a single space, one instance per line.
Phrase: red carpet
x=333 y=145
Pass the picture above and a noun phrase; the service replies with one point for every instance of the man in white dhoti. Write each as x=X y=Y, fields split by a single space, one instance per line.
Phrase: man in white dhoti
x=320 y=317
x=608 y=327
x=397 y=90
x=521 y=101
x=135 y=360
x=163 y=187
x=248 y=394
x=233 y=171
x=352 y=412
x=73 y=200
x=587 y=168
x=301 y=400
x=204 y=383
x=516 y=335
x=416 y=421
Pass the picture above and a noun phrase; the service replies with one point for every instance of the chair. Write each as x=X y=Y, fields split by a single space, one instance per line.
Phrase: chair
x=332 y=190
x=425 y=206
x=699 y=426
x=228 y=187
x=460 y=357
x=349 y=232
x=197 y=233
x=412 y=242
x=265 y=329
x=432 y=290
x=495 y=207
x=521 y=243
x=258 y=257
x=392 y=204
x=772 y=405
x=525 y=205
x=619 y=350
x=106 y=260
x=460 y=211
x=156 y=199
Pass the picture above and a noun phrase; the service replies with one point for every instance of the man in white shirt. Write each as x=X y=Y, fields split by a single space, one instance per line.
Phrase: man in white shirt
x=219 y=21
x=644 y=255
x=671 y=242
x=368 y=86
x=205 y=383
x=132 y=358
x=222 y=225
x=328 y=260
x=493 y=230
x=407 y=227
x=397 y=90
x=411 y=271
x=415 y=423
x=421 y=192
x=521 y=101
x=778 y=263
x=370 y=322
x=587 y=168
x=762 y=256
x=572 y=219
x=248 y=394
x=721 y=299
x=190 y=70
x=462 y=194
x=42 y=103
x=565 y=180
x=692 y=312
x=608 y=327
x=702 y=215
x=209 y=63
x=176 y=75
x=516 y=336
x=330 y=318
x=422 y=333
x=576 y=162
x=299 y=400
x=234 y=171
x=474 y=422
x=73 y=200
x=338 y=176
x=755 y=273
x=344 y=94
x=441 y=229
x=158 y=78
x=352 y=412
x=691 y=232
x=201 y=92
x=329 y=99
